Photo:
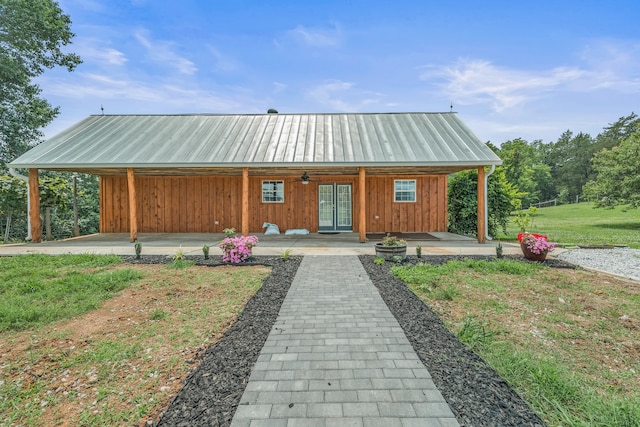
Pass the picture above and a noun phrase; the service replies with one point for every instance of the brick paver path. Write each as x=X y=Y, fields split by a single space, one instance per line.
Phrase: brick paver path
x=336 y=356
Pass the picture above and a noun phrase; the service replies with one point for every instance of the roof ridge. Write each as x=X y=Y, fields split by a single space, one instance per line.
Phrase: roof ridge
x=268 y=114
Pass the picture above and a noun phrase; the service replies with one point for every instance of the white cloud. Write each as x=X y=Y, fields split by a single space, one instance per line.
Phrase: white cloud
x=223 y=62
x=90 y=5
x=615 y=64
x=121 y=94
x=343 y=96
x=605 y=65
x=90 y=52
x=278 y=87
x=480 y=82
x=317 y=37
x=164 y=52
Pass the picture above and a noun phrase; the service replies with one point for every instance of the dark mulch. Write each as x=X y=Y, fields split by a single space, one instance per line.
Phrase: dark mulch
x=212 y=392
x=476 y=393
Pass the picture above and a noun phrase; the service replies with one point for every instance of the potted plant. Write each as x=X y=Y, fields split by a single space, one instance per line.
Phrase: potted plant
x=535 y=247
x=391 y=247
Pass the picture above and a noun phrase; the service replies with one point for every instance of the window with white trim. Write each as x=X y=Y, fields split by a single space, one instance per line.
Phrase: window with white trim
x=272 y=191
x=404 y=190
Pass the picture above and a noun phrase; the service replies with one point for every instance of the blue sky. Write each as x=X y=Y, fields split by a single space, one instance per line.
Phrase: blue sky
x=529 y=69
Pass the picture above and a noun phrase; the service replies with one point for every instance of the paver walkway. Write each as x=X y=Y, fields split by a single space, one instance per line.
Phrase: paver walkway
x=336 y=356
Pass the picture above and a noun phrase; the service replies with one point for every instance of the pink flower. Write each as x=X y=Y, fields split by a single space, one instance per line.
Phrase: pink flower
x=537 y=243
x=237 y=249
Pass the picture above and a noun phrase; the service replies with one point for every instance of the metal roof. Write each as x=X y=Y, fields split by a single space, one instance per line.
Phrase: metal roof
x=262 y=140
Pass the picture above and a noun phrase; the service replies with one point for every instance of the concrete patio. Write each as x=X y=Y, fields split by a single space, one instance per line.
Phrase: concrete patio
x=311 y=244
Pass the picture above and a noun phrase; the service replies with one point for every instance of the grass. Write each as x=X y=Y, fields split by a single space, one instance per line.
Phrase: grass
x=38 y=289
x=122 y=357
x=566 y=340
x=581 y=223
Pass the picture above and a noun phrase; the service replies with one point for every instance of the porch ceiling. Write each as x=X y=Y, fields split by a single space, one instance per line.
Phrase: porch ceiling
x=274 y=171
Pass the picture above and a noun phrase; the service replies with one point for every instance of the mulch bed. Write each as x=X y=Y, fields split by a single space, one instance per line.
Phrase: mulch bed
x=478 y=396
x=475 y=392
x=212 y=392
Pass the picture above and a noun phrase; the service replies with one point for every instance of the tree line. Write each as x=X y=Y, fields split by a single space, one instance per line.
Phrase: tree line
x=604 y=170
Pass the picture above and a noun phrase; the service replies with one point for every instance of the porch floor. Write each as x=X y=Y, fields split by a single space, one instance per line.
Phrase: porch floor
x=345 y=243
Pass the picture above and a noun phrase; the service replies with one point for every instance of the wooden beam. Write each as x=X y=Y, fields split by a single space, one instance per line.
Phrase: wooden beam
x=482 y=232
x=34 y=211
x=362 y=192
x=245 y=201
x=133 y=212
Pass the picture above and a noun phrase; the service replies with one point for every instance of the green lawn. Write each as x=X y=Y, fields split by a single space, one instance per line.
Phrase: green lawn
x=89 y=340
x=564 y=339
x=38 y=289
x=581 y=223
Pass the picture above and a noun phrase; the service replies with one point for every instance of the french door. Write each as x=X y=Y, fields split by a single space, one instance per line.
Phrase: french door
x=335 y=207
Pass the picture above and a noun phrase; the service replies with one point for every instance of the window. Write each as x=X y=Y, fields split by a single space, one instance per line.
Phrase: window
x=272 y=191
x=404 y=190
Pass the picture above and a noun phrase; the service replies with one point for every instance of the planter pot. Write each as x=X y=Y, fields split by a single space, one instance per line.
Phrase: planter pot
x=530 y=255
x=390 y=252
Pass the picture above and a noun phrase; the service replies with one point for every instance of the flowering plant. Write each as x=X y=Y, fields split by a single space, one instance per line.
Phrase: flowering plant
x=390 y=240
x=536 y=243
x=237 y=249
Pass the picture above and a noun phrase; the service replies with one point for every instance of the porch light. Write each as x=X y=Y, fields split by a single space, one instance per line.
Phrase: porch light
x=304 y=178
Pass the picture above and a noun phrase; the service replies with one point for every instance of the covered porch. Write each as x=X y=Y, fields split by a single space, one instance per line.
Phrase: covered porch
x=312 y=244
x=361 y=172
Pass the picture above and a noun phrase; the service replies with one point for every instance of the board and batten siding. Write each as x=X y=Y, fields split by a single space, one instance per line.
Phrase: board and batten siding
x=209 y=204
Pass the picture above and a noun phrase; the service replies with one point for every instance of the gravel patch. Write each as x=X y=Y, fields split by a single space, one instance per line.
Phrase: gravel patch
x=623 y=262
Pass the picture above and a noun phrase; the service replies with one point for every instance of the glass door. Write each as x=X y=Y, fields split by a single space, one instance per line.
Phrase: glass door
x=325 y=207
x=343 y=213
x=335 y=207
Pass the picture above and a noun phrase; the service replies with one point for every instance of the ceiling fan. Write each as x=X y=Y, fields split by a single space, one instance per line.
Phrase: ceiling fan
x=305 y=179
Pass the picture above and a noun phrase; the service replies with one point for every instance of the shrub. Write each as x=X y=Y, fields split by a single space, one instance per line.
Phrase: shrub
x=502 y=197
x=237 y=249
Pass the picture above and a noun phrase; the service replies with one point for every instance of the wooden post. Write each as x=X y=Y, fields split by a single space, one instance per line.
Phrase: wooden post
x=245 y=201
x=133 y=212
x=362 y=192
x=482 y=232
x=34 y=211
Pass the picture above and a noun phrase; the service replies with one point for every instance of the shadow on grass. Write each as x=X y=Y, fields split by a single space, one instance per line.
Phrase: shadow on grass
x=631 y=225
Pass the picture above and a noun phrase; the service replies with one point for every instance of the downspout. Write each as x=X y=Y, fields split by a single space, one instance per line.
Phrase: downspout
x=15 y=174
x=486 y=201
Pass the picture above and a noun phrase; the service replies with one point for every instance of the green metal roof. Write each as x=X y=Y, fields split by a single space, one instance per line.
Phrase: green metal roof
x=262 y=140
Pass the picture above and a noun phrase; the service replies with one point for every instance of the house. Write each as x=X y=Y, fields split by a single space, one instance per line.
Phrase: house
x=360 y=172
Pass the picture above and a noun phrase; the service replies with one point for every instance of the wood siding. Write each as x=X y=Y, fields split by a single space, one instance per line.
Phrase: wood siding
x=192 y=204
x=427 y=213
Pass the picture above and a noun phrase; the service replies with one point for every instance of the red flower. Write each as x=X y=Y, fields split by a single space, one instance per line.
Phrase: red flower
x=537 y=236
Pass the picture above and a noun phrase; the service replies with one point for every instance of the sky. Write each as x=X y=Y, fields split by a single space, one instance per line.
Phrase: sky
x=510 y=69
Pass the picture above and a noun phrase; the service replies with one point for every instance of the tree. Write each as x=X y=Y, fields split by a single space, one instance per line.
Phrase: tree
x=618 y=175
x=524 y=169
x=32 y=34
x=13 y=201
x=617 y=132
x=502 y=198
x=570 y=161
x=54 y=193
